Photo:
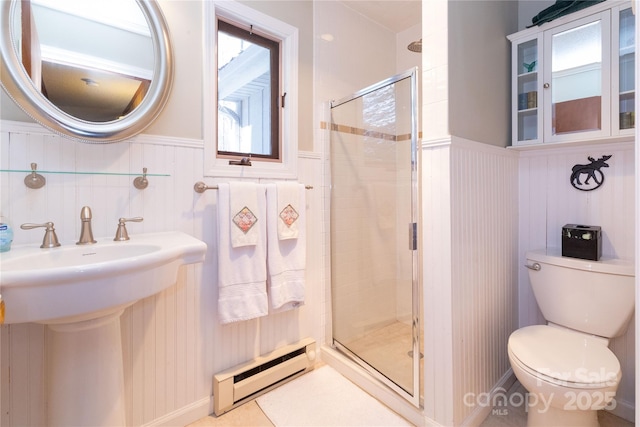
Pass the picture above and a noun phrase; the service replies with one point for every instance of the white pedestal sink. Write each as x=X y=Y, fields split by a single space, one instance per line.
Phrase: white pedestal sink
x=79 y=292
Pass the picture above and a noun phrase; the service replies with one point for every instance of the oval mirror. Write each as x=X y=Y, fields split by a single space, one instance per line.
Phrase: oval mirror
x=98 y=71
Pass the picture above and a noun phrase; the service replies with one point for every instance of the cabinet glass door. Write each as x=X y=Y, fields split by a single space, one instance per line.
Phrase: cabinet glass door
x=527 y=91
x=626 y=75
x=578 y=79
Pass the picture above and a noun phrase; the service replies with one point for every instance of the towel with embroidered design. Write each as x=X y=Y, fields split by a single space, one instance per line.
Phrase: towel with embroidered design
x=286 y=258
x=242 y=271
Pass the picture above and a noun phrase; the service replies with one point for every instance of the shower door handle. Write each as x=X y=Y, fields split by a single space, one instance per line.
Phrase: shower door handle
x=413 y=236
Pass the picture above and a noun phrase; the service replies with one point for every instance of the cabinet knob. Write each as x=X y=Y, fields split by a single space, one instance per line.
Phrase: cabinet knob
x=546 y=85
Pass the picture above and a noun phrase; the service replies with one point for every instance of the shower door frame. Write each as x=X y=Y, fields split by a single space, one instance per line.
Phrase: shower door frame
x=414 y=397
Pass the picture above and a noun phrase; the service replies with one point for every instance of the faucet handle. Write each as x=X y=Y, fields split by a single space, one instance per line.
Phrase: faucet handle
x=121 y=232
x=85 y=213
x=50 y=239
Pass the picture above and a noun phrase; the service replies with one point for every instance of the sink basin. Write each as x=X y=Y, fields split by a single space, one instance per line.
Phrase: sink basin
x=33 y=260
x=79 y=282
x=79 y=292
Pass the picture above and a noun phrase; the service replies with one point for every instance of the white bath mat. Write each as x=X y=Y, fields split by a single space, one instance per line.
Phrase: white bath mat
x=323 y=397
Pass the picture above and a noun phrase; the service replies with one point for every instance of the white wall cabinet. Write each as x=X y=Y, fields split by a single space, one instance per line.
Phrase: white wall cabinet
x=573 y=78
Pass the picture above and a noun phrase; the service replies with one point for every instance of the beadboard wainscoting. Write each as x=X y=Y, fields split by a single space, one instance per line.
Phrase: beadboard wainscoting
x=470 y=242
x=173 y=343
x=548 y=201
x=483 y=208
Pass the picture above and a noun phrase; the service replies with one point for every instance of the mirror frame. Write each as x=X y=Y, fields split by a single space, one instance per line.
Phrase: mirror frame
x=19 y=87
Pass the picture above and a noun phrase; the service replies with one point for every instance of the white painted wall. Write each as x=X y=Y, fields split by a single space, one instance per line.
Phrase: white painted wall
x=527 y=9
x=479 y=67
x=359 y=53
x=182 y=117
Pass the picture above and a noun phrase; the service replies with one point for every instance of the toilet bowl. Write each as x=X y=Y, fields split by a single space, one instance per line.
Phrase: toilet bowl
x=569 y=375
x=566 y=366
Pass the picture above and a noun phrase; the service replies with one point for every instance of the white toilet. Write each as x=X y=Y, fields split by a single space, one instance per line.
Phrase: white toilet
x=566 y=365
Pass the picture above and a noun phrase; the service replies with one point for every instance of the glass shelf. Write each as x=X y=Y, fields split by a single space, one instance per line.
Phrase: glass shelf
x=529 y=76
x=84 y=173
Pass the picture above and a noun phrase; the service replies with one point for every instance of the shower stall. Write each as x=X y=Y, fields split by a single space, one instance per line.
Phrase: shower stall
x=375 y=292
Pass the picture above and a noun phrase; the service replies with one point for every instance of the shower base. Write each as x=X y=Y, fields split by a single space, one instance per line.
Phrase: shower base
x=378 y=389
x=387 y=350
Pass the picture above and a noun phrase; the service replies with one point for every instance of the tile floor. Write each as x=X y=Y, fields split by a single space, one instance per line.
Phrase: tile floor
x=250 y=415
x=247 y=415
x=516 y=416
x=387 y=358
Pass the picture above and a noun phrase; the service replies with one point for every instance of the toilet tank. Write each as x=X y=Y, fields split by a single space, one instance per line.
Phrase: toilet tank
x=596 y=297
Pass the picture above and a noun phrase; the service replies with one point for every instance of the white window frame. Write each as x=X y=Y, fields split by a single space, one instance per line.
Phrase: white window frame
x=261 y=168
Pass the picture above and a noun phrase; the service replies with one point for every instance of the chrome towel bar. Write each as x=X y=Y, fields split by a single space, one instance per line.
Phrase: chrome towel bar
x=201 y=187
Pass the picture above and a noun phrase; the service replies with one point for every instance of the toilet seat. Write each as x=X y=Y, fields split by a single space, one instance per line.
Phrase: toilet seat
x=563 y=357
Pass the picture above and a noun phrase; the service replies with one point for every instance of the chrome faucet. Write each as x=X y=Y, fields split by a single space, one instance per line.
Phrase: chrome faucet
x=86 y=235
x=121 y=233
x=50 y=239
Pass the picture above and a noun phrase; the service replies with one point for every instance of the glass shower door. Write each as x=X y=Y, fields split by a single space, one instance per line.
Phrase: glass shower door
x=373 y=235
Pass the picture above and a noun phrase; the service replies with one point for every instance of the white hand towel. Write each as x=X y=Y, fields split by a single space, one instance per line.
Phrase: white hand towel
x=243 y=215
x=242 y=271
x=289 y=209
x=286 y=259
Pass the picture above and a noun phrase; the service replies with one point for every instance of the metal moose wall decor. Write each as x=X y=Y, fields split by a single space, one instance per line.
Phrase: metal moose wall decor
x=594 y=176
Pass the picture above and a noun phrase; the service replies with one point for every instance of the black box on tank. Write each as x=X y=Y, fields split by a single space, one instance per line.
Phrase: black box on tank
x=582 y=241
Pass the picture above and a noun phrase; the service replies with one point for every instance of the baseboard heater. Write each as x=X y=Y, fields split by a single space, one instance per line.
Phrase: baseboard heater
x=246 y=381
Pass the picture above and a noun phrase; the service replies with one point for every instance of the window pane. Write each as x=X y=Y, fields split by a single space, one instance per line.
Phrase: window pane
x=245 y=93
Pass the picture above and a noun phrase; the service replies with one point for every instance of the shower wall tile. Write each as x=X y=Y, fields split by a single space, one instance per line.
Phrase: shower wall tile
x=369 y=220
x=435 y=120
x=435 y=95
x=325 y=136
x=361 y=53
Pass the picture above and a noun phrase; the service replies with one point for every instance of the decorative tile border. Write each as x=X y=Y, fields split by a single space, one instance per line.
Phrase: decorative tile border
x=363 y=132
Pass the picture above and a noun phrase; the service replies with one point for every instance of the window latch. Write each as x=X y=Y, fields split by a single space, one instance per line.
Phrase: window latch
x=245 y=161
x=283 y=97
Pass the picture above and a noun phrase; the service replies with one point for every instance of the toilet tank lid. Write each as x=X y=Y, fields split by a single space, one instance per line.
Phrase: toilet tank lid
x=605 y=265
x=564 y=355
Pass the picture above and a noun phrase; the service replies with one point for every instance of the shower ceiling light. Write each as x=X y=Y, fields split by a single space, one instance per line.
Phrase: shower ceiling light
x=327 y=37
